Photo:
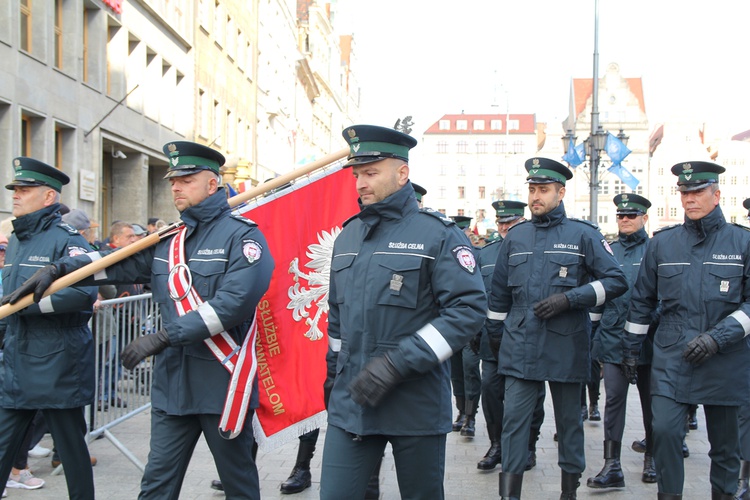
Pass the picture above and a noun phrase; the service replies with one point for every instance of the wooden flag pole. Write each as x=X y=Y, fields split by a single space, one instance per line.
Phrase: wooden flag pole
x=154 y=238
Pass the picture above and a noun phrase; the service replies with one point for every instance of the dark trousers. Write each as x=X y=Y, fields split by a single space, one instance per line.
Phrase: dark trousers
x=466 y=379
x=669 y=431
x=68 y=429
x=173 y=439
x=521 y=397
x=493 y=396
x=593 y=384
x=348 y=464
x=616 y=386
x=743 y=418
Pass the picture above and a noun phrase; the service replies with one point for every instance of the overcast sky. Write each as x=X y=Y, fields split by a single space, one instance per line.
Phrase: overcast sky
x=428 y=58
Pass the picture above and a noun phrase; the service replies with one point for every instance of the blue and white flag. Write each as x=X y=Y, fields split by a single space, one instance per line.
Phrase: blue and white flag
x=616 y=150
x=624 y=175
x=575 y=154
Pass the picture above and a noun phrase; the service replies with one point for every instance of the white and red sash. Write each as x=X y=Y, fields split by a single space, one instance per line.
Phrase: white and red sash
x=240 y=362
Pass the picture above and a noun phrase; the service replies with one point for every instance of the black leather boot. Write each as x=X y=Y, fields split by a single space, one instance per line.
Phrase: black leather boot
x=300 y=479
x=530 y=460
x=649 y=472
x=493 y=456
x=692 y=418
x=510 y=486
x=611 y=474
x=594 y=414
x=668 y=496
x=569 y=484
x=373 y=484
x=461 y=405
x=743 y=490
x=685 y=449
x=468 y=429
x=717 y=495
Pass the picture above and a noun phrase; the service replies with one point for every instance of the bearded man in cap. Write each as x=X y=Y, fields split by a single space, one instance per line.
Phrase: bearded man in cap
x=48 y=357
x=607 y=348
x=698 y=274
x=208 y=280
x=404 y=295
x=548 y=274
x=508 y=214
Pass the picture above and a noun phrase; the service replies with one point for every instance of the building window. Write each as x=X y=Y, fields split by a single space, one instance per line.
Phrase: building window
x=482 y=192
x=733 y=219
x=673 y=212
x=733 y=201
x=481 y=169
x=444 y=124
x=462 y=125
x=25 y=136
x=217 y=27
x=217 y=124
x=462 y=147
x=660 y=212
x=26 y=25
x=660 y=171
x=673 y=190
x=604 y=188
x=461 y=170
x=441 y=195
x=603 y=219
x=496 y=124
x=500 y=147
x=481 y=147
x=478 y=124
x=517 y=147
x=203 y=116
x=513 y=125
x=442 y=147
x=443 y=170
x=441 y=210
x=639 y=189
x=733 y=180
x=660 y=190
x=461 y=192
x=58 y=33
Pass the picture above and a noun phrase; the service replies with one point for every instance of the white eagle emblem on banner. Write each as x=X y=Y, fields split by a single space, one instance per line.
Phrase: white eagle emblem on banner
x=302 y=298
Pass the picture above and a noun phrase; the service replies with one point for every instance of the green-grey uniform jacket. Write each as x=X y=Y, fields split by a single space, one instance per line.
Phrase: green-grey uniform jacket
x=487 y=260
x=231 y=268
x=700 y=273
x=404 y=281
x=48 y=358
x=549 y=255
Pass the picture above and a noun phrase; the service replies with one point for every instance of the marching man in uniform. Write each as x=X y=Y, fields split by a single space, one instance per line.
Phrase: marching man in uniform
x=405 y=294
x=208 y=280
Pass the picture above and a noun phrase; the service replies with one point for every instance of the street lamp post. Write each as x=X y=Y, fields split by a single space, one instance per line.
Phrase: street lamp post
x=594 y=144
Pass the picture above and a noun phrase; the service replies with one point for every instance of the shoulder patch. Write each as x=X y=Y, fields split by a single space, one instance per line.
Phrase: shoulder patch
x=74 y=250
x=67 y=227
x=464 y=255
x=252 y=250
x=665 y=228
x=588 y=222
x=607 y=247
x=241 y=218
x=438 y=215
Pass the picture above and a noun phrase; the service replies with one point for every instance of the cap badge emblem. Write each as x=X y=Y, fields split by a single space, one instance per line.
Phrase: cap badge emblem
x=172 y=148
x=17 y=162
x=535 y=161
x=355 y=147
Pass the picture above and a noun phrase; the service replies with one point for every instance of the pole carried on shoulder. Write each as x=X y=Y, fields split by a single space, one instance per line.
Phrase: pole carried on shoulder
x=168 y=231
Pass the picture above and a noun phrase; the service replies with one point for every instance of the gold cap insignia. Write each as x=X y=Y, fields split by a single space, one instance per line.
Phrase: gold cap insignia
x=535 y=161
x=16 y=162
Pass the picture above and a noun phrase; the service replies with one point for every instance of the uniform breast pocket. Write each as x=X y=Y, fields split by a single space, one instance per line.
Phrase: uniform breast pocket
x=160 y=272
x=397 y=279
x=206 y=274
x=340 y=269
x=670 y=281
x=518 y=269
x=724 y=284
x=565 y=270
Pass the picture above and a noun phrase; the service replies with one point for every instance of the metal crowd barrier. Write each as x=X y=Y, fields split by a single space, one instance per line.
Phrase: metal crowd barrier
x=120 y=393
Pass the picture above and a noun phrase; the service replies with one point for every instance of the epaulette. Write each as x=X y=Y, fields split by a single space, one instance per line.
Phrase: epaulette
x=517 y=224
x=67 y=227
x=656 y=231
x=237 y=216
x=489 y=244
x=585 y=222
x=438 y=215
x=741 y=226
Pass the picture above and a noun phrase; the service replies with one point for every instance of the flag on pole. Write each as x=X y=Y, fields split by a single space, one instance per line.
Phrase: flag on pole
x=655 y=139
x=617 y=151
x=300 y=224
x=575 y=154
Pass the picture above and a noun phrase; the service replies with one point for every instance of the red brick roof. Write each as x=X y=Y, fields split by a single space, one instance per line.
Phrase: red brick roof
x=526 y=124
x=584 y=87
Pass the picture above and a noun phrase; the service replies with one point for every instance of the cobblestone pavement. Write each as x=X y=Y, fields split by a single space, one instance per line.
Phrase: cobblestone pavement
x=117 y=478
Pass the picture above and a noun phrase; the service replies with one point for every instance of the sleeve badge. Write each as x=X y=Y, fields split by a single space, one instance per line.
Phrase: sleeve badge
x=465 y=258
x=252 y=251
x=73 y=251
x=607 y=247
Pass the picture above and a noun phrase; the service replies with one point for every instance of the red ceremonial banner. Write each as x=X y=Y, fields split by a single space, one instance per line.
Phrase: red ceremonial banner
x=300 y=224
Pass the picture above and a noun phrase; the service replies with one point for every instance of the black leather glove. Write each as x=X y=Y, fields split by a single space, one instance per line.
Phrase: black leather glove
x=700 y=349
x=331 y=361
x=551 y=306
x=629 y=368
x=39 y=282
x=495 y=346
x=143 y=347
x=375 y=380
x=475 y=343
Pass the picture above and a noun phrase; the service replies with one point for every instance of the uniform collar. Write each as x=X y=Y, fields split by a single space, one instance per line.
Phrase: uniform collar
x=395 y=206
x=27 y=225
x=708 y=224
x=207 y=210
x=551 y=218
x=630 y=240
